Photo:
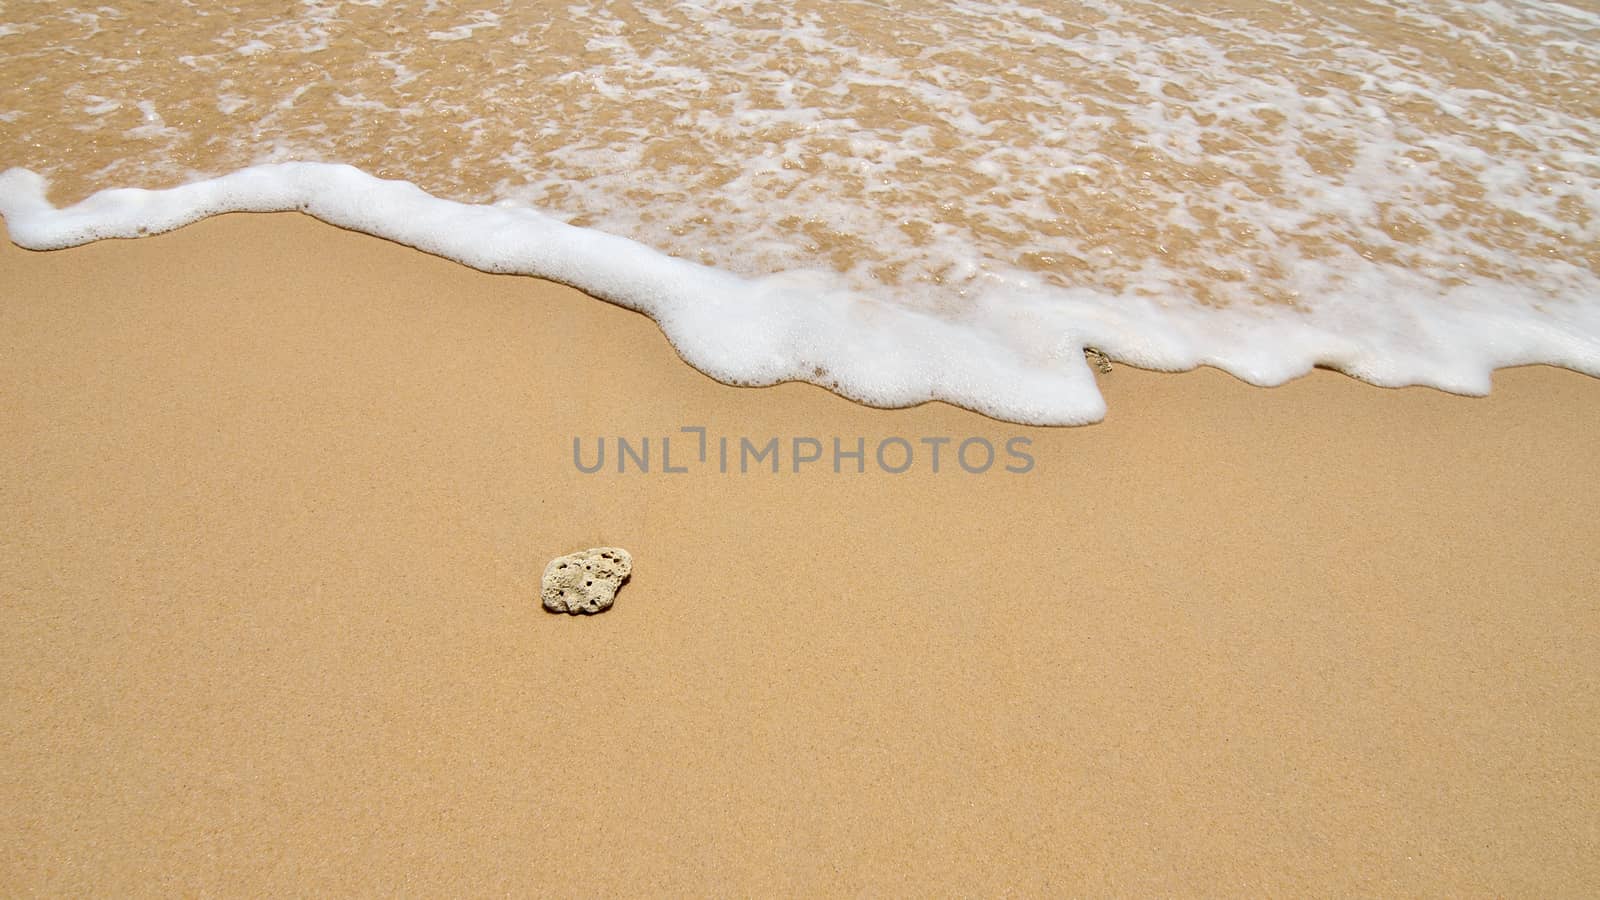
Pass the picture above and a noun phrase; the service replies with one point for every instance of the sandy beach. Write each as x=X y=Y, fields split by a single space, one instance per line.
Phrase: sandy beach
x=279 y=497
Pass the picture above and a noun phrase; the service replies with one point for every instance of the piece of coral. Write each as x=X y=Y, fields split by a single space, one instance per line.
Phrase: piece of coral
x=586 y=581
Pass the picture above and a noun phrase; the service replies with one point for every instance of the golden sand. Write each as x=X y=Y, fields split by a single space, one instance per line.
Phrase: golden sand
x=278 y=497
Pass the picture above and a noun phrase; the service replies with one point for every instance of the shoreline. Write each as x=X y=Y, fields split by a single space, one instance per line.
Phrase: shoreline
x=1026 y=357
x=285 y=493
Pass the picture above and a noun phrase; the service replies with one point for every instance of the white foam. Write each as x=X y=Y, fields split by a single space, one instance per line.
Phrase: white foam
x=1014 y=352
x=997 y=134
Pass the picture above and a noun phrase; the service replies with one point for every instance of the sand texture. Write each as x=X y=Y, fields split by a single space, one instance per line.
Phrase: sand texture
x=278 y=498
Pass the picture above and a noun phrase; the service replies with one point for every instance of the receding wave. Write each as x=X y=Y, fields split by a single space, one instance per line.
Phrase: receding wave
x=1409 y=192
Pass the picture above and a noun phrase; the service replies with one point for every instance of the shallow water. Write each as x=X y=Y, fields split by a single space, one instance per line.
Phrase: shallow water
x=1110 y=173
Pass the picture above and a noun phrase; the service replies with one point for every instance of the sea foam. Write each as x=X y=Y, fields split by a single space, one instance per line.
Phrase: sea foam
x=1014 y=352
x=899 y=202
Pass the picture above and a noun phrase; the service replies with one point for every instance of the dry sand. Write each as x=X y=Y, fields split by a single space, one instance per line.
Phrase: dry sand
x=277 y=498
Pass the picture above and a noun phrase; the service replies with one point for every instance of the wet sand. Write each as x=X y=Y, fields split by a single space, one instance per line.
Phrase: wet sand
x=279 y=497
